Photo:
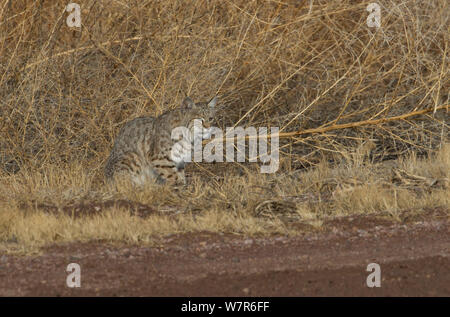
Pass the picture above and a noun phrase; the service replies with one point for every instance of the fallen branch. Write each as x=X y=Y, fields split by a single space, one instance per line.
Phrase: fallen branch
x=362 y=123
x=339 y=126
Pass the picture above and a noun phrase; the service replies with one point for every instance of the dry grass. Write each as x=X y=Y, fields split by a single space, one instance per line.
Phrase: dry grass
x=297 y=65
x=251 y=204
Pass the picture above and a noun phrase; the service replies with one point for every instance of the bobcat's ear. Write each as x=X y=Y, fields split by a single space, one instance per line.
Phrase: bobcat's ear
x=188 y=103
x=212 y=103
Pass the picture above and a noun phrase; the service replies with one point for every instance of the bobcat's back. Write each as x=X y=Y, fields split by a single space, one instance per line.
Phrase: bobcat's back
x=130 y=147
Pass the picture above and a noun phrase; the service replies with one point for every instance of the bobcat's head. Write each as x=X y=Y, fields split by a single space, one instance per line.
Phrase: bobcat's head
x=204 y=111
x=196 y=124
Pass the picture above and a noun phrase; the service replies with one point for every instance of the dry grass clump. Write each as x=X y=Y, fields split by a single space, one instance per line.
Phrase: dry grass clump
x=297 y=65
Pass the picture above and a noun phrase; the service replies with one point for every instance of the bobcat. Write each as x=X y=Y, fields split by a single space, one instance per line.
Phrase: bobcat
x=144 y=149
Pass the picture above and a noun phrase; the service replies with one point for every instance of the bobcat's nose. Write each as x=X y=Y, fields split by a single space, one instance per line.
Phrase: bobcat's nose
x=207 y=132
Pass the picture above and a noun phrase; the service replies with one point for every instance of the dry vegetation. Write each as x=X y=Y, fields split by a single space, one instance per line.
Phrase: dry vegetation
x=297 y=65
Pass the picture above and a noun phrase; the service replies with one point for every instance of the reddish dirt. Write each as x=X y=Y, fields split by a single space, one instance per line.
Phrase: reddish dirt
x=414 y=260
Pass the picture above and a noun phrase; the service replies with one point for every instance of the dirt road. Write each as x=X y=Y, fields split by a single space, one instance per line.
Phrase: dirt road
x=413 y=257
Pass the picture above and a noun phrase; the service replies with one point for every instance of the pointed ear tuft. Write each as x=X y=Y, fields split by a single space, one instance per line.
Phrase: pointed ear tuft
x=188 y=103
x=212 y=103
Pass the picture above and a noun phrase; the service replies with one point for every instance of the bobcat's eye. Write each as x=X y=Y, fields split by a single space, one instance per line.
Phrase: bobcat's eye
x=206 y=124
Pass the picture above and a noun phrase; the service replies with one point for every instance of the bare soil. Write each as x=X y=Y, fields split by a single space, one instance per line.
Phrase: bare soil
x=330 y=261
